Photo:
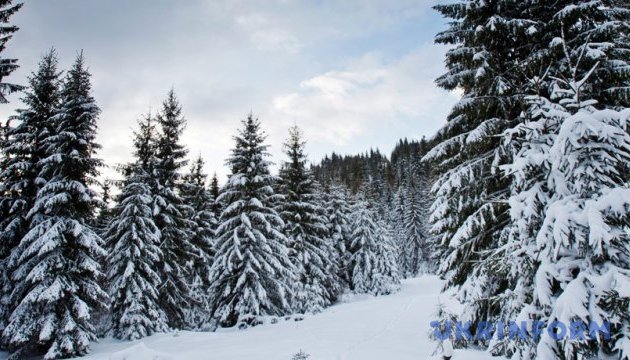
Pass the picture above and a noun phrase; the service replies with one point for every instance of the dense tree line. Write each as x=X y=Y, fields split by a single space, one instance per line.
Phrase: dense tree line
x=398 y=189
x=172 y=249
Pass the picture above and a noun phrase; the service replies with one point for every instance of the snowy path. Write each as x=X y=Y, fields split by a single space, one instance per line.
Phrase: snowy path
x=389 y=327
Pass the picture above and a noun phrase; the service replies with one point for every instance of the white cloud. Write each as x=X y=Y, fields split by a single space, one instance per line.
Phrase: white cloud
x=287 y=61
x=265 y=36
x=373 y=99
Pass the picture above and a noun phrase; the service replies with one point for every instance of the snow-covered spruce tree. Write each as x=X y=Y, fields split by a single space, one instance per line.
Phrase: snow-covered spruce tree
x=104 y=210
x=104 y=215
x=415 y=238
x=583 y=242
x=387 y=269
x=23 y=150
x=569 y=204
x=397 y=221
x=373 y=266
x=133 y=240
x=498 y=46
x=145 y=143
x=172 y=215
x=7 y=66
x=251 y=271
x=430 y=249
x=408 y=210
x=310 y=248
x=492 y=41
x=338 y=211
x=214 y=192
x=196 y=194
x=57 y=261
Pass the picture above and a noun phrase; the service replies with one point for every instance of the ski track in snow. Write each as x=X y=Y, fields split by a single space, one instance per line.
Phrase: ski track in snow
x=403 y=310
x=393 y=327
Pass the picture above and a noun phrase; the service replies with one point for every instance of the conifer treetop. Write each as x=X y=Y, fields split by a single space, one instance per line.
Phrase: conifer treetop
x=7 y=66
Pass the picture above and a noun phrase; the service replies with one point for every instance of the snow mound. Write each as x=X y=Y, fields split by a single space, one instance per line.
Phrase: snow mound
x=139 y=352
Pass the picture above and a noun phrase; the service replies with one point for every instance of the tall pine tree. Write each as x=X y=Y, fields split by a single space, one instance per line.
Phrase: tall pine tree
x=373 y=267
x=251 y=269
x=196 y=194
x=57 y=261
x=569 y=158
x=310 y=248
x=503 y=51
x=214 y=192
x=338 y=212
x=24 y=149
x=7 y=66
x=490 y=40
x=133 y=240
x=172 y=215
x=414 y=244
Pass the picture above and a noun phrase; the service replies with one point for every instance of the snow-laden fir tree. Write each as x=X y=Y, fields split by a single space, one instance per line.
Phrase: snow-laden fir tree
x=409 y=208
x=338 y=211
x=583 y=242
x=431 y=249
x=7 y=66
x=387 y=274
x=23 y=150
x=416 y=253
x=104 y=215
x=566 y=245
x=99 y=224
x=397 y=222
x=498 y=47
x=251 y=271
x=470 y=209
x=373 y=263
x=57 y=261
x=195 y=194
x=214 y=192
x=133 y=242
x=310 y=248
x=172 y=215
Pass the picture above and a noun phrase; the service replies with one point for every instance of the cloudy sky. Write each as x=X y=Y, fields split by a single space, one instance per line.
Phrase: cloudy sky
x=353 y=74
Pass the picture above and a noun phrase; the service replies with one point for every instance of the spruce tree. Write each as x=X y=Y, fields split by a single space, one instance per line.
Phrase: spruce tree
x=430 y=249
x=397 y=221
x=214 y=192
x=505 y=51
x=57 y=261
x=251 y=271
x=7 y=66
x=172 y=215
x=569 y=161
x=104 y=215
x=100 y=224
x=195 y=194
x=145 y=144
x=23 y=151
x=338 y=212
x=414 y=246
x=387 y=271
x=373 y=266
x=583 y=239
x=491 y=40
x=133 y=240
x=305 y=227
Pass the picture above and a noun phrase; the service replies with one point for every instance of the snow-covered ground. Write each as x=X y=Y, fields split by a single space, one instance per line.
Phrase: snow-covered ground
x=364 y=328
